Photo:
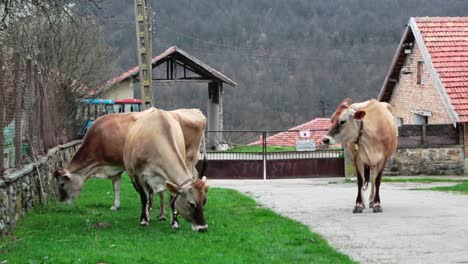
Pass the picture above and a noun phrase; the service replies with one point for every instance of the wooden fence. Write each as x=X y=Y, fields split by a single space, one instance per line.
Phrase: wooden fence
x=425 y=136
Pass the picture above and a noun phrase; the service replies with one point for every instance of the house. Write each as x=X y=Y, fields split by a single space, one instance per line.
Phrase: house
x=427 y=82
x=428 y=78
x=318 y=127
x=175 y=66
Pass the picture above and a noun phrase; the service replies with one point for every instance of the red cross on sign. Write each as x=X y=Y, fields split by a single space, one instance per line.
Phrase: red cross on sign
x=304 y=134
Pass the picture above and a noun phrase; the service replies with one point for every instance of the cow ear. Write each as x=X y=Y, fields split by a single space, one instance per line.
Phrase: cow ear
x=172 y=188
x=359 y=115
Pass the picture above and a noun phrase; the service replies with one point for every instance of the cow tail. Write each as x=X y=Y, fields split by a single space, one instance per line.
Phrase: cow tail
x=366 y=177
x=204 y=162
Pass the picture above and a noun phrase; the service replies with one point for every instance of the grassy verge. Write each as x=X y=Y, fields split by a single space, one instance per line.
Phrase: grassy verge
x=88 y=232
x=461 y=188
x=423 y=180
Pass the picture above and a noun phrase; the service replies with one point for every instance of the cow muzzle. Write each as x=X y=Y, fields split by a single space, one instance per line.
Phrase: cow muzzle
x=327 y=140
x=199 y=228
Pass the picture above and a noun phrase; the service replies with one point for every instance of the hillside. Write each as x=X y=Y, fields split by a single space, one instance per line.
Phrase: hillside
x=293 y=60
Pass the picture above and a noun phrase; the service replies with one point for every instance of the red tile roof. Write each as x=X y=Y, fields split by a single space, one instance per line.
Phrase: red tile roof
x=446 y=39
x=318 y=128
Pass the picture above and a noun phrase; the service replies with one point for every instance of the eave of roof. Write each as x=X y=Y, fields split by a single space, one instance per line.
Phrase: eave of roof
x=134 y=71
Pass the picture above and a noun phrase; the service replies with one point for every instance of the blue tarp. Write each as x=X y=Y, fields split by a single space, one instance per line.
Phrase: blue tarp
x=98 y=101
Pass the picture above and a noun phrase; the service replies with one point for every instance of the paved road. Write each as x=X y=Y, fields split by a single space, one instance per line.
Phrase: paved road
x=415 y=227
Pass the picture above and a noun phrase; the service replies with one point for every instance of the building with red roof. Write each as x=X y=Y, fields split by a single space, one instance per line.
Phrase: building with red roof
x=317 y=127
x=427 y=82
x=428 y=78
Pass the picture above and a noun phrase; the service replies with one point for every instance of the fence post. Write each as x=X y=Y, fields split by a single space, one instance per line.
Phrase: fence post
x=2 y=111
x=264 y=153
x=18 y=110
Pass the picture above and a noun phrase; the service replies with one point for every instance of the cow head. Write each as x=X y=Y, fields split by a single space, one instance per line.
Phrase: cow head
x=190 y=201
x=69 y=185
x=345 y=126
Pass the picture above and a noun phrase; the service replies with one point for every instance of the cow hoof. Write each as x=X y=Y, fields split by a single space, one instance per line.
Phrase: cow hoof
x=357 y=210
x=162 y=218
x=377 y=209
x=114 y=208
x=144 y=223
x=175 y=225
x=371 y=204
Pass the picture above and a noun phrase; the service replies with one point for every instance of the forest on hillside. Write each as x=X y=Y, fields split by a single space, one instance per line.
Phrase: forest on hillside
x=293 y=60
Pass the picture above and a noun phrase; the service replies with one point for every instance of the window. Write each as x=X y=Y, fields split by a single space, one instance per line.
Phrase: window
x=420 y=119
x=400 y=121
x=420 y=77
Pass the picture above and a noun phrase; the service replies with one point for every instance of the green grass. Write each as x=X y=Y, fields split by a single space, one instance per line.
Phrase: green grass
x=460 y=188
x=424 y=180
x=421 y=180
x=239 y=232
x=260 y=149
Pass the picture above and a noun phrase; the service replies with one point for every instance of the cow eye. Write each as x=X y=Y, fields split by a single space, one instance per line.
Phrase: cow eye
x=192 y=204
x=342 y=122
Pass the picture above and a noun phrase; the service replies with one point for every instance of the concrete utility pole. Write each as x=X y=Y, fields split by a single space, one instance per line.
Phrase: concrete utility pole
x=144 y=50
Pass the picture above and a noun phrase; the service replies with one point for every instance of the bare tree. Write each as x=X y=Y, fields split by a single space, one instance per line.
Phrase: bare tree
x=12 y=11
x=70 y=59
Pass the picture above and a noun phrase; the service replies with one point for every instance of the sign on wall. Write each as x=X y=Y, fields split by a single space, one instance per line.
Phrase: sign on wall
x=305 y=145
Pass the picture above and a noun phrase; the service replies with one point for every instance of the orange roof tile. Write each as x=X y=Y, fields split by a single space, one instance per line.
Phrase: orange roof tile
x=318 y=127
x=446 y=39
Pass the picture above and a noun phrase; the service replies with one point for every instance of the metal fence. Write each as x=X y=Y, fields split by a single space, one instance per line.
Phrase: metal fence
x=33 y=116
x=270 y=154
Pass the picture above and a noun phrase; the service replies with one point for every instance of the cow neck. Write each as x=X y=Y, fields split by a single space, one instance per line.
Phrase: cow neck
x=361 y=128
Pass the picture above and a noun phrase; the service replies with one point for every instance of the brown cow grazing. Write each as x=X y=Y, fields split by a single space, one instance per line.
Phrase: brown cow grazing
x=155 y=159
x=101 y=153
x=368 y=129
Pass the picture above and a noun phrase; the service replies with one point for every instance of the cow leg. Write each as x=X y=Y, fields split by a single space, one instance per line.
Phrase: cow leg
x=145 y=213
x=377 y=208
x=174 y=214
x=162 y=209
x=359 y=207
x=372 y=194
x=116 y=181
x=151 y=201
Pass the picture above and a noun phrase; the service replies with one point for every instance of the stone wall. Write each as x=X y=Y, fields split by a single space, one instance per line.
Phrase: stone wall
x=426 y=161
x=22 y=189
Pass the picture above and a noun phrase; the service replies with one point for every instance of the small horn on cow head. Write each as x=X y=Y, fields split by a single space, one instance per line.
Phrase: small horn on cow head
x=205 y=187
x=347 y=102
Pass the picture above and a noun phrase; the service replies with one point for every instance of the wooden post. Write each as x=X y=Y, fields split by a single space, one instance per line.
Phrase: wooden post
x=29 y=91
x=461 y=137
x=2 y=112
x=424 y=135
x=264 y=151
x=213 y=111
x=18 y=110
x=144 y=48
